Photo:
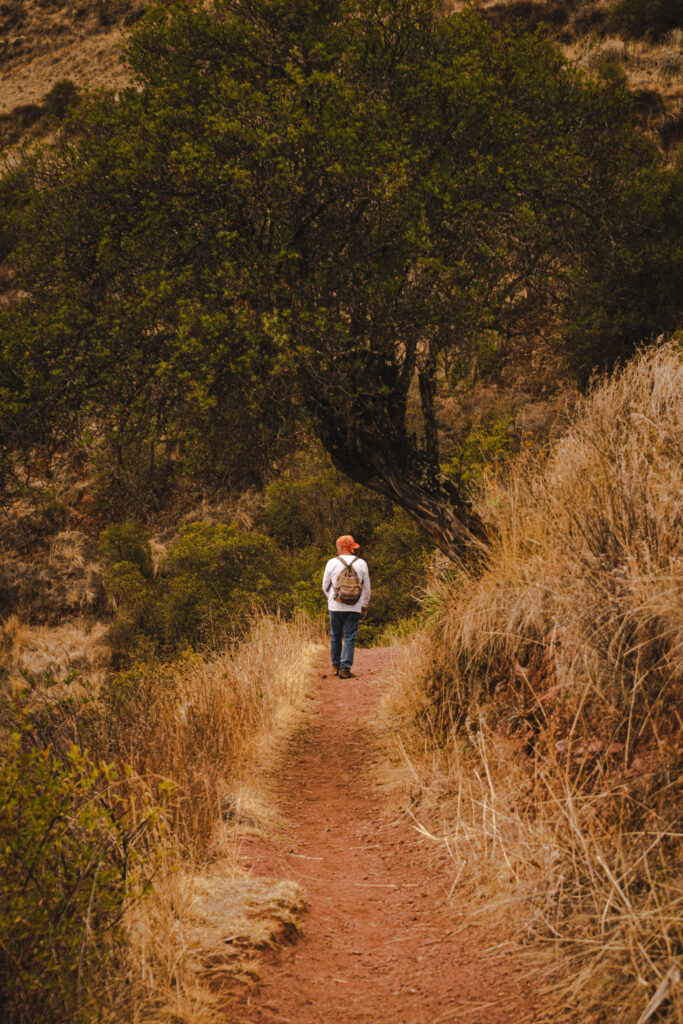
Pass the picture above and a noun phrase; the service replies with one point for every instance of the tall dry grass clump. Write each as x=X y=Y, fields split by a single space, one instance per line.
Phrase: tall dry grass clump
x=544 y=712
x=120 y=809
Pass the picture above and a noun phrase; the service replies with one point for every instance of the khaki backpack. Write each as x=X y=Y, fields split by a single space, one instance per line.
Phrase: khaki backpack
x=348 y=588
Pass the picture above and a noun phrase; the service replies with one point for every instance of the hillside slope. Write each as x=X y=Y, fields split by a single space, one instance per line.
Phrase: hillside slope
x=45 y=41
x=538 y=721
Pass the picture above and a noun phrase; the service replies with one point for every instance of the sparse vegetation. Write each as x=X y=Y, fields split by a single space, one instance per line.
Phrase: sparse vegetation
x=651 y=18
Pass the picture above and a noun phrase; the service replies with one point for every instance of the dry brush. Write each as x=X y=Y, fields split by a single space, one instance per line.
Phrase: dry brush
x=542 y=712
x=121 y=806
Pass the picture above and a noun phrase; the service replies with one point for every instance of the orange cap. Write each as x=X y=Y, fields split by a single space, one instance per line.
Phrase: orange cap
x=347 y=541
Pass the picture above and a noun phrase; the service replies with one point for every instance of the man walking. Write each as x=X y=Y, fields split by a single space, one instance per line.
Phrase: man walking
x=346 y=584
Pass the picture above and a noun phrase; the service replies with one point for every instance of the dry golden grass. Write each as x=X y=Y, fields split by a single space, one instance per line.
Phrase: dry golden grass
x=78 y=646
x=539 y=725
x=654 y=68
x=223 y=738
x=192 y=747
x=201 y=931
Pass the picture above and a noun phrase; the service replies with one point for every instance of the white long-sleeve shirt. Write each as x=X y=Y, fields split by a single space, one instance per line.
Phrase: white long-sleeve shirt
x=332 y=570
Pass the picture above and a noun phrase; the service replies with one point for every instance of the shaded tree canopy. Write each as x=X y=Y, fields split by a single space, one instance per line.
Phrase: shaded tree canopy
x=328 y=208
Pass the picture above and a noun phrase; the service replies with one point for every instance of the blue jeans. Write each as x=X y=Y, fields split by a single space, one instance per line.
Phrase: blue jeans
x=343 y=624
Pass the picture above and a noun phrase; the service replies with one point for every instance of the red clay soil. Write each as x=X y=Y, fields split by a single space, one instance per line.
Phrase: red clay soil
x=381 y=941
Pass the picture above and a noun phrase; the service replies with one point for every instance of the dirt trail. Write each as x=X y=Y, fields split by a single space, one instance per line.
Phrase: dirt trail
x=379 y=943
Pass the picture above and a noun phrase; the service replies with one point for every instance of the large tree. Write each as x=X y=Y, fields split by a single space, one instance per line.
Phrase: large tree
x=334 y=206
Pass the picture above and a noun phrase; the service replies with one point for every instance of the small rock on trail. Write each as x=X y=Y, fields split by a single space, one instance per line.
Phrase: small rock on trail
x=382 y=944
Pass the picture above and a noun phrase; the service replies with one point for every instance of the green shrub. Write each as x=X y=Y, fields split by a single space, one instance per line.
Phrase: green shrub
x=398 y=555
x=212 y=579
x=134 y=599
x=62 y=98
x=127 y=542
x=318 y=504
x=653 y=18
x=486 y=444
x=128 y=587
x=64 y=864
x=306 y=570
x=215 y=575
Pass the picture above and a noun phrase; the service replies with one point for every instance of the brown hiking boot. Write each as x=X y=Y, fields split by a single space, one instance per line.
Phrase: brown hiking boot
x=345 y=674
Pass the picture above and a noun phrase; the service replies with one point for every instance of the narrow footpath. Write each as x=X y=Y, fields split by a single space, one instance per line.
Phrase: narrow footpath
x=382 y=944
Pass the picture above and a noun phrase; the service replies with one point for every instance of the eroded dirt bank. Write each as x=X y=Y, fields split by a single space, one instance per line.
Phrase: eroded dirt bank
x=381 y=941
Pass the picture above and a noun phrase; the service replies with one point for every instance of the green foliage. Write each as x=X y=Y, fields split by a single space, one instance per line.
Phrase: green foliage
x=133 y=597
x=486 y=444
x=639 y=18
x=214 y=577
x=211 y=581
x=127 y=542
x=320 y=211
x=12 y=198
x=308 y=506
x=63 y=881
x=397 y=558
x=62 y=98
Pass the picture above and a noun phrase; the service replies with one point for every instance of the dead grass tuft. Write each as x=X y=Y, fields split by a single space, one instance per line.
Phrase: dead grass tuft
x=199 y=933
x=73 y=647
x=67 y=550
x=541 y=724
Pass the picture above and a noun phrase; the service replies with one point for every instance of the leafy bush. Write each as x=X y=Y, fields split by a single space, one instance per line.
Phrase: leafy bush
x=316 y=504
x=213 y=577
x=133 y=596
x=62 y=98
x=127 y=542
x=397 y=557
x=653 y=18
x=64 y=863
x=484 y=445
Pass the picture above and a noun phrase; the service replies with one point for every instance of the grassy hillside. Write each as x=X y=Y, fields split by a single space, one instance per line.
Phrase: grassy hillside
x=540 y=715
x=43 y=43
